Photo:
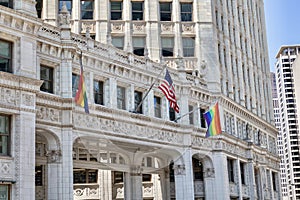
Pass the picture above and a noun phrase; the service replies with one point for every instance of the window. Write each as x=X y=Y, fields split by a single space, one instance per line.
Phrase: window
x=171 y=172
x=68 y=4
x=39 y=8
x=186 y=11
x=118 y=177
x=4 y=135
x=7 y=3
x=202 y=119
x=118 y=42
x=75 y=82
x=147 y=177
x=243 y=175
x=172 y=115
x=274 y=180
x=5 y=56
x=165 y=11
x=191 y=114
x=157 y=106
x=116 y=10
x=47 y=77
x=121 y=97
x=138 y=96
x=167 y=45
x=98 y=92
x=230 y=170
x=188 y=46
x=137 y=10
x=87 y=9
x=197 y=169
x=4 y=192
x=39 y=175
x=85 y=175
x=138 y=44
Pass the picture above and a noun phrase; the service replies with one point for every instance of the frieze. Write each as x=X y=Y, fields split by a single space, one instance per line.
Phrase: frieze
x=10 y=96
x=48 y=114
x=6 y=169
x=179 y=170
x=201 y=142
x=28 y=100
x=125 y=128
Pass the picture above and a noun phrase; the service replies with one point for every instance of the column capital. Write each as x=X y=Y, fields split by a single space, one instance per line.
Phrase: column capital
x=53 y=156
x=209 y=173
x=136 y=170
x=179 y=169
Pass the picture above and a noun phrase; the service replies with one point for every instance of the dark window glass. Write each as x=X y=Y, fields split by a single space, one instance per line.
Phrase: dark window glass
x=186 y=11
x=85 y=176
x=242 y=169
x=191 y=114
x=68 y=4
x=171 y=172
x=47 y=77
x=147 y=177
x=121 y=98
x=87 y=9
x=38 y=7
x=4 y=135
x=116 y=10
x=39 y=175
x=172 y=114
x=5 y=192
x=230 y=170
x=118 y=177
x=167 y=45
x=138 y=96
x=5 y=56
x=118 y=42
x=274 y=180
x=157 y=106
x=7 y=3
x=75 y=82
x=165 y=11
x=197 y=169
x=98 y=92
x=188 y=46
x=137 y=10
x=138 y=45
x=202 y=119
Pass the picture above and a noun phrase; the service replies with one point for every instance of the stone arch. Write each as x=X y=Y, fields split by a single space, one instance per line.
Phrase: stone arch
x=208 y=166
x=53 y=142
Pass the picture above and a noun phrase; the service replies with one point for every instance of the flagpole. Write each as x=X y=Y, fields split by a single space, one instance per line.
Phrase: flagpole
x=186 y=114
x=138 y=107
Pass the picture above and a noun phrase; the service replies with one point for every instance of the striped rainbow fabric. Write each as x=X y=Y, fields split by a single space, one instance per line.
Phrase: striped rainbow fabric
x=212 y=118
x=81 y=97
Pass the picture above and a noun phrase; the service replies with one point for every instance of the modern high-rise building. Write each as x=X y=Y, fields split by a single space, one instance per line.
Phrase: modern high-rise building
x=215 y=51
x=288 y=140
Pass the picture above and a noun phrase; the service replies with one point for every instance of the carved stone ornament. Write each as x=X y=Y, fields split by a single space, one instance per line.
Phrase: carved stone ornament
x=64 y=17
x=136 y=170
x=209 y=173
x=53 y=155
x=179 y=169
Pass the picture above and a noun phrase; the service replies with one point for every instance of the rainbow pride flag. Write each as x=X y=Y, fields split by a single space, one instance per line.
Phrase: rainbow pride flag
x=212 y=118
x=81 y=97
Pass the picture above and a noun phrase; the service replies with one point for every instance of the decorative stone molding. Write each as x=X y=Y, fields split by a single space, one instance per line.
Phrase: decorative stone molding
x=179 y=170
x=136 y=170
x=139 y=27
x=53 y=156
x=167 y=28
x=117 y=27
x=64 y=17
x=48 y=114
x=209 y=173
x=6 y=169
x=188 y=28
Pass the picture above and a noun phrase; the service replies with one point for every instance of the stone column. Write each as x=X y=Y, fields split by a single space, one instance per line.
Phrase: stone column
x=53 y=173
x=184 y=183
x=221 y=177
x=251 y=179
x=209 y=177
x=136 y=183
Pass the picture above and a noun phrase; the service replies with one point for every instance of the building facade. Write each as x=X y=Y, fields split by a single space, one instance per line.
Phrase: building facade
x=286 y=73
x=215 y=52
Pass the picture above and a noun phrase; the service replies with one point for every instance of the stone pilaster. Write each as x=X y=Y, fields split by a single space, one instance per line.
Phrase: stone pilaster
x=221 y=176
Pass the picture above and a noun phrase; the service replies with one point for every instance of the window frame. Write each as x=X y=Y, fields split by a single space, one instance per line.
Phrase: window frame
x=167 y=51
x=7 y=134
x=50 y=79
x=242 y=172
x=197 y=170
x=9 y=57
x=172 y=114
x=137 y=12
x=87 y=10
x=138 y=101
x=137 y=49
x=8 y=191
x=230 y=170
x=9 y=4
x=118 y=37
x=118 y=13
x=75 y=82
x=121 y=100
x=157 y=106
x=98 y=95
x=188 y=51
x=165 y=15
x=184 y=13
x=191 y=114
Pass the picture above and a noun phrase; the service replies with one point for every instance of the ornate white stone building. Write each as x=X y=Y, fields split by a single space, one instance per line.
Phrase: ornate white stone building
x=215 y=51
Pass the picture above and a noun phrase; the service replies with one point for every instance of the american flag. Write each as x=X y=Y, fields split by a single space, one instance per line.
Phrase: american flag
x=168 y=89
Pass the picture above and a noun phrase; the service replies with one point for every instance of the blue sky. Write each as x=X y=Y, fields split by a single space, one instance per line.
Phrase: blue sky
x=283 y=25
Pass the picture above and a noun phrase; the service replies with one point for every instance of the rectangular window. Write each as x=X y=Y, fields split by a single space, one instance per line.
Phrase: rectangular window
x=4 y=135
x=243 y=175
x=5 y=56
x=98 y=92
x=75 y=82
x=121 y=98
x=186 y=11
x=118 y=177
x=38 y=7
x=197 y=169
x=138 y=96
x=147 y=177
x=87 y=9
x=6 y=3
x=172 y=115
x=138 y=44
x=202 y=119
x=46 y=74
x=118 y=42
x=165 y=11
x=157 y=106
x=167 y=46
x=191 y=114
x=188 y=46
x=4 y=192
x=85 y=176
x=137 y=10
x=230 y=169
x=274 y=180
x=116 y=10
x=68 y=4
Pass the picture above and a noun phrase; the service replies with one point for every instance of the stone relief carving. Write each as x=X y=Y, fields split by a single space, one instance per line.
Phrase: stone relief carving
x=179 y=169
x=53 y=156
x=28 y=100
x=209 y=173
x=167 y=27
x=64 y=16
x=9 y=96
x=136 y=170
x=188 y=27
x=46 y=113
